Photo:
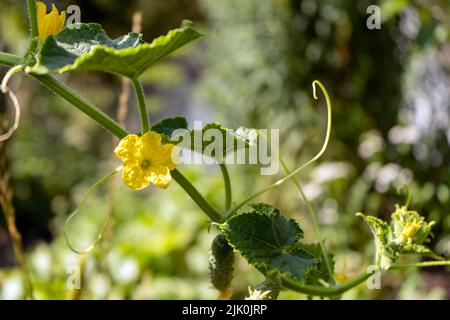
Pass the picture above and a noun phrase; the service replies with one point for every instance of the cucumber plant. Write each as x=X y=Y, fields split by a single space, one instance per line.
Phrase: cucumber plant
x=259 y=232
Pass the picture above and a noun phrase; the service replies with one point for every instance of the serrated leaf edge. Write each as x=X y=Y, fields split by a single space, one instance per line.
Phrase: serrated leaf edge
x=260 y=265
x=157 y=42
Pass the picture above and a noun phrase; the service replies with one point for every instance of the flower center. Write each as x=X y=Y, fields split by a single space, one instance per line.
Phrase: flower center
x=145 y=164
x=411 y=229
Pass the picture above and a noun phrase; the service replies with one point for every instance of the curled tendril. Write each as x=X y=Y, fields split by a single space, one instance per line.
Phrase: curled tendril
x=6 y=90
x=8 y=76
x=77 y=210
x=407 y=192
x=299 y=169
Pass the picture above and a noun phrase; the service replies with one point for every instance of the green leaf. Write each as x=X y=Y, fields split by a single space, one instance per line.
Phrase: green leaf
x=320 y=271
x=204 y=141
x=200 y=140
x=88 y=47
x=267 y=209
x=270 y=241
x=385 y=255
x=168 y=126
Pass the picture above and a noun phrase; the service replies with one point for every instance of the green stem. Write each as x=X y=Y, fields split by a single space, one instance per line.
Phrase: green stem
x=207 y=208
x=226 y=180
x=420 y=264
x=89 y=109
x=10 y=60
x=340 y=289
x=104 y=120
x=145 y=122
x=32 y=12
x=82 y=104
x=34 y=32
x=324 y=291
x=311 y=211
x=313 y=216
x=299 y=169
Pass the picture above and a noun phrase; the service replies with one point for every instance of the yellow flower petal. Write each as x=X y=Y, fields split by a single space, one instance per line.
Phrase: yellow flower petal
x=146 y=160
x=58 y=19
x=151 y=138
x=41 y=10
x=151 y=142
x=51 y=23
x=62 y=20
x=160 y=176
x=134 y=177
x=167 y=157
x=54 y=10
x=129 y=149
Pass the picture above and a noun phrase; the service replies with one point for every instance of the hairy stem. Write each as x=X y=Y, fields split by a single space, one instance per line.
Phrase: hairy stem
x=207 y=208
x=226 y=180
x=145 y=122
x=32 y=12
x=34 y=32
x=88 y=108
x=105 y=121
x=420 y=264
x=82 y=104
x=322 y=291
x=10 y=60
x=325 y=291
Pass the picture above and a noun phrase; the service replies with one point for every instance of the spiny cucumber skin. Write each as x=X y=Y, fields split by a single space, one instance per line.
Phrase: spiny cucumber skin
x=273 y=285
x=221 y=261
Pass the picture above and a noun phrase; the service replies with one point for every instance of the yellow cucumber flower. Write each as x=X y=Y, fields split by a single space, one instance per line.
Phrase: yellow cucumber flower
x=410 y=229
x=51 y=23
x=146 y=161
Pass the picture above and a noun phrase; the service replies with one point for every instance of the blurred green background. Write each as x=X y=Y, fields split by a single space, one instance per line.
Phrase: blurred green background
x=254 y=68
